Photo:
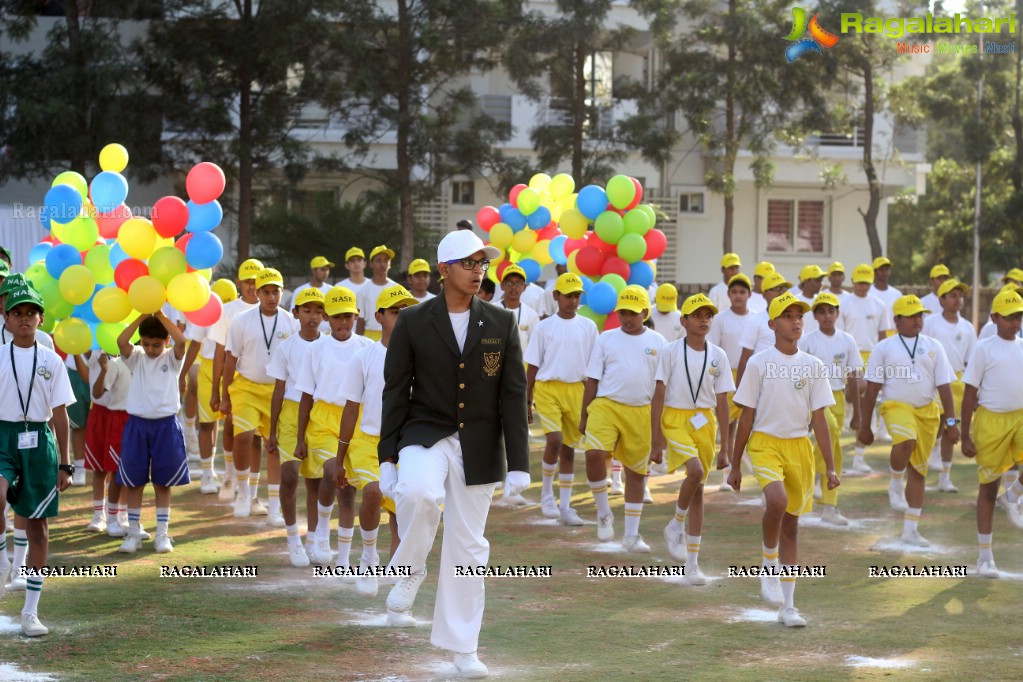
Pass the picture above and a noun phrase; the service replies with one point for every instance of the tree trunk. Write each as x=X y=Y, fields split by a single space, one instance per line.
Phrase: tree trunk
x=873 y=185
x=579 y=113
x=403 y=177
x=245 y=150
x=731 y=144
x=1017 y=128
x=74 y=38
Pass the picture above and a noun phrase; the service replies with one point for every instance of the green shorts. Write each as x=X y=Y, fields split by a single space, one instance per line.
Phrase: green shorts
x=78 y=413
x=32 y=473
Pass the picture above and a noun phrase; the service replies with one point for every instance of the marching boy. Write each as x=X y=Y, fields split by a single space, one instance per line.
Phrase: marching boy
x=684 y=417
x=782 y=389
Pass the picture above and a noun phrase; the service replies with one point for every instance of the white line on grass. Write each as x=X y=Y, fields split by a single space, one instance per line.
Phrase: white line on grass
x=10 y=673
x=868 y=662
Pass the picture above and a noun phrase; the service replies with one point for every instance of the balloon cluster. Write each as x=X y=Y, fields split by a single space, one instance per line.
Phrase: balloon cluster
x=101 y=267
x=547 y=221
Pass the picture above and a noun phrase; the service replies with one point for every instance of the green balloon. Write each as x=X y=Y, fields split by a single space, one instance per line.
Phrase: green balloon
x=609 y=226
x=38 y=275
x=632 y=248
x=589 y=314
x=616 y=281
x=81 y=233
x=106 y=336
x=98 y=262
x=650 y=213
x=166 y=263
x=73 y=179
x=637 y=222
x=620 y=191
x=56 y=308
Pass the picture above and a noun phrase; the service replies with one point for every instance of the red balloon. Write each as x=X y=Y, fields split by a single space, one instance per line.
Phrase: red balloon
x=205 y=182
x=638 y=197
x=487 y=217
x=513 y=194
x=612 y=321
x=208 y=314
x=170 y=215
x=615 y=266
x=182 y=243
x=656 y=243
x=549 y=232
x=589 y=260
x=605 y=248
x=501 y=267
x=574 y=245
x=110 y=223
x=619 y=211
x=129 y=270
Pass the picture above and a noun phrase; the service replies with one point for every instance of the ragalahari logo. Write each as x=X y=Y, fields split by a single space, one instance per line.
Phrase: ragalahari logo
x=819 y=37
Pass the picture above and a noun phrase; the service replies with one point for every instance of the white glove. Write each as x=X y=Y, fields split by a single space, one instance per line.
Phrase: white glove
x=516 y=482
x=388 y=479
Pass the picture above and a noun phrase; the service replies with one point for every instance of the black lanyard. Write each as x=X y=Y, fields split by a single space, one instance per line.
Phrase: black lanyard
x=912 y=353
x=25 y=404
x=518 y=319
x=685 y=359
x=273 y=332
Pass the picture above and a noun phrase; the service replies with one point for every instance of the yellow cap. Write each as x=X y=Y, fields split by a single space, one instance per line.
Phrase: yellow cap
x=782 y=303
x=1007 y=303
x=666 y=298
x=249 y=269
x=863 y=273
x=697 y=301
x=377 y=250
x=730 y=260
x=836 y=267
x=880 y=262
x=740 y=278
x=340 y=300
x=320 y=262
x=907 y=306
x=633 y=298
x=1016 y=275
x=940 y=270
x=950 y=284
x=269 y=276
x=417 y=266
x=568 y=283
x=354 y=252
x=392 y=296
x=811 y=272
x=824 y=298
x=1012 y=286
x=513 y=270
x=774 y=280
x=308 y=295
x=763 y=269
x=225 y=289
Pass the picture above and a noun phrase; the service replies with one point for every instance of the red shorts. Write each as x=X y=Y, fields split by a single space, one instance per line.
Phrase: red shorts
x=103 y=438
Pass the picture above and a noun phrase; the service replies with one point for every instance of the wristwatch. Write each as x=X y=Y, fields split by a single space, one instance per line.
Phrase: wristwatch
x=951 y=421
x=69 y=469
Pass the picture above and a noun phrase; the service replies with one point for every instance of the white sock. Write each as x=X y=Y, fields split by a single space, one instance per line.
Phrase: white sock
x=370 y=557
x=20 y=549
x=242 y=477
x=33 y=590
x=633 y=512
x=229 y=471
x=547 y=489
x=4 y=561
x=946 y=468
x=97 y=508
x=859 y=451
x=693 y=550
x=273 y=493
x=725 y=473
x=770 y=556
x=678 y=522
x=897 y=476
x=565 y=482
x=985 y=541
x=1014 y=492
x=113 y=508
x=293 y=538
x=788 y=587
x=134 y=525
x=254 y=484
x=599 y=490
x=910 y=520
x=162 y=519
x=323 y=521
x=616 y=471
x=344 y=545
x=80 y=465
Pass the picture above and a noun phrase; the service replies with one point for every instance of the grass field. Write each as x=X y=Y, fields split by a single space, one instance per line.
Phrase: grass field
x=288 y=625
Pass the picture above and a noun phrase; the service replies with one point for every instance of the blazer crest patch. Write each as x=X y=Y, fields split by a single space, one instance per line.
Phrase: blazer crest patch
x=492 y=363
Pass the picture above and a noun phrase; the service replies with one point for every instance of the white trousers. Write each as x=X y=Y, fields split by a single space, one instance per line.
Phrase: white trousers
x=429 y=480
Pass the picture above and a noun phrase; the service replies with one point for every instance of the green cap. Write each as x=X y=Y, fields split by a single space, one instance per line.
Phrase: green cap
x=22 y=293
x=12 y=281
x=5 y=252
x=4 y=268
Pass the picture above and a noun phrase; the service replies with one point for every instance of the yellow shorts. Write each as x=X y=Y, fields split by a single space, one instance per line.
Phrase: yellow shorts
x=785 y=460
x=734 y=411
x=204 y=391
x=287 y=431
x=999 y=440
x=250 y=406
x=372 y=334
x=362 y=464
x=958 y=390
x=559 y=406
x=906 y=422
x=835 y=416
x=622 y=429
x=321 y=437
x=865 y=356
x=686 y=441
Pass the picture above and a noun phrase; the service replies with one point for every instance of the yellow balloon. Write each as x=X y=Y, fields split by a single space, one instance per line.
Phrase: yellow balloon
x=568 y=201
x=111 y=305
x=188 y=292
x=524 y=241
x=501 y=235
x=73 y=179
x=137 y=237
x=572 y=267
x=113 y=157
x=573 y=223
x=542 y=252
x=146 y=294
x=77 y=284
x=73 y=336
x=562 y=185
x=205 y=273
x=541 y=182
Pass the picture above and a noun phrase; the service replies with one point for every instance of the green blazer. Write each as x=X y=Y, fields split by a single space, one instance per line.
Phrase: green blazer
x=432 y=390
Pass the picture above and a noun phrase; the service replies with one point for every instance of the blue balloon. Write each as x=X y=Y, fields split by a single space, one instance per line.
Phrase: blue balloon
x=531 y=268
x=557 y=249
x=117 y=255
x=85 y=311
x=539 y=218
x=108 y=191
x=63 y=203
x=515 y=220
x=504 y=210
x=641 y=273
x=203 y=217
x=92 y=328
x=587 y=282
x=39 y=252
x=602 y=298
x=591 y=202
x=204 y=250
x=60 y=258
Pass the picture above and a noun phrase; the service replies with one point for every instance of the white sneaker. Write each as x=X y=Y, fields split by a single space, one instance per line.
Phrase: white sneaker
x=549 y=507
x=163 y=544
x=770 y=589
x=321 y=553
x=676 y=544
x=31 y=627
x=635 y=543
x=208 y=484
x=470 y=667
x=570 y=517
x=257 y=507
x=144 y=534
x=275 y=519
x=695 y=576
x=98 y=523
x=403 y=594
x=914 y=538
x=401 y=619
x=616 y=488
x=659 y=469
x=516 y=500
x=192 y=442
x=297 y=555
x=830 y=514
x=227 y=490
x=367 y=585
x=647 y=497
x=790 y=618
x=934 y=461
x=115 y=529
x=78 y=478
x=987 y=569
x=946 y=485
x=860 y=464
x=1013 y=509
x=605 y=527
x=130 y=545
x=18 y=582
x=897 y=496
x=818 y=493
x=242 y=506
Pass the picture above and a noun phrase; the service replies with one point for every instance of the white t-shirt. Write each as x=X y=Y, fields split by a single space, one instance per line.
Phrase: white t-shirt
x=42 y=338
x=218 y=332
x=625 y=365
x=718 y=295
x=201 y=335
x=323 y=369
x=116 y=382
x=550 y=306
x=668 y=325
x=153 y=390
x=526 y=320
x=757 y=336
x=51 y=386
x=460 y=325
x=560 y=349
x=994 y=371
x=366 y=300
x=709 y=374
x=426 y=297
x=932 y=303
x=991 y=329
x=756 y=302
x=364 y=384
x=252 y=339
x=784 y=390
x=889 y=296
x=286 y=362
x=912 y=382
x=726 y=331
x=864 y=318
x=838 y=352
x=347 y=283
x=533 y=296
x=958 y=339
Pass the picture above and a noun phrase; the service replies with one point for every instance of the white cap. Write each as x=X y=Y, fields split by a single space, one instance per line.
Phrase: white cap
x=462 y=244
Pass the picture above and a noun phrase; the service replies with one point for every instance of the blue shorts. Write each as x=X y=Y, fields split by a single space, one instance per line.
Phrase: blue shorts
x=153 y=446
